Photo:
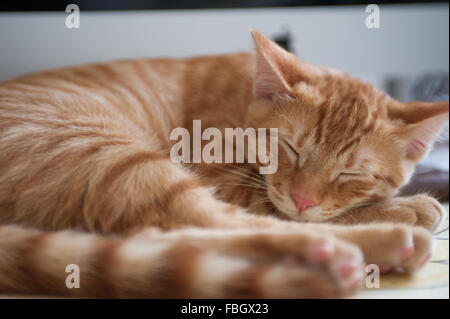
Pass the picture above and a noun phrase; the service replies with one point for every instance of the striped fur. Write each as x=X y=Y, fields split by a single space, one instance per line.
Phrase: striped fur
x=85 y=171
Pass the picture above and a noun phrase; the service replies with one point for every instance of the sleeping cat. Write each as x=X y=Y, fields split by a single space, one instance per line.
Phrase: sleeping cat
x=86 y=179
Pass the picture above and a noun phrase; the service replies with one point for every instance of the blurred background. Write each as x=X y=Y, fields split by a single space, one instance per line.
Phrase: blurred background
x=407 y=56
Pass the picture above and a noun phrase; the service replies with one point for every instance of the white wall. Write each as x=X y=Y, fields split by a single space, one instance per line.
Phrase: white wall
x=412 y=38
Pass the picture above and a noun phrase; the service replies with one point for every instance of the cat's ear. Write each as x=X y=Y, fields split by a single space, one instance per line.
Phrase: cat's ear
x=424 y=123
x=273 y=68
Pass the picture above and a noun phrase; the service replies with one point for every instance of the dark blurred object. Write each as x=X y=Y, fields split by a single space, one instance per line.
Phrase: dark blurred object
x=54 y=5
x=429 y=87
x=422 y=87
x=284 y=39
x=434 y=183
x=432 y=174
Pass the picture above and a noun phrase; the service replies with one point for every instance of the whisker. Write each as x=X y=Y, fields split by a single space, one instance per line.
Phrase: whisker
x=246 y=170
x=243 y=184
x=248 y=182
x=241 y=174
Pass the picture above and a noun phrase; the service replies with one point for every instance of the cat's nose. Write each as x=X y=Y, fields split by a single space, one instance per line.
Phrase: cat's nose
x=303 y=203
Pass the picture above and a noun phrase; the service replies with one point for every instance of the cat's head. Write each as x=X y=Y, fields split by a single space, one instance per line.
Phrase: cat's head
x=342 y=143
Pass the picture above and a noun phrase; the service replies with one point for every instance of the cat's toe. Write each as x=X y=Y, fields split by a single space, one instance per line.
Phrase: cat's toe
x=422 y=251
x=322 y=251
x=346 y=266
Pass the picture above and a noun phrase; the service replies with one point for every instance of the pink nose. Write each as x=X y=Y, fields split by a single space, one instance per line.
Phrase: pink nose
x=302 y=203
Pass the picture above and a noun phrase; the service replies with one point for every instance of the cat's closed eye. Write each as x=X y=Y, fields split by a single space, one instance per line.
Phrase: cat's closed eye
x=350 y=175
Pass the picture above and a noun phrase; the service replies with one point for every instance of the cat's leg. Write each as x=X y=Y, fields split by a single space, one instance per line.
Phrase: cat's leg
x=391 y=246
x=419 y=210
x=144 y=190
x=106 y=183
x=133 y=187
x=189 y=263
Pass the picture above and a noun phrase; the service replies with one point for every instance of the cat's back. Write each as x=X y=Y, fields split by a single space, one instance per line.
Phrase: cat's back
x=126 y=87
x=140 y=100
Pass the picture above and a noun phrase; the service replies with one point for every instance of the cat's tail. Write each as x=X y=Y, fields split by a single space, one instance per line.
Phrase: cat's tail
x=70 y=263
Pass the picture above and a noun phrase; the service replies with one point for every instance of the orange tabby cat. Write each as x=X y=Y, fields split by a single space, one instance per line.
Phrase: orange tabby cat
x=86 y=179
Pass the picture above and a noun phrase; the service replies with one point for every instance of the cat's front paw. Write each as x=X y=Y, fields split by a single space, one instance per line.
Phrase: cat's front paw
x=319 y=271
x=393 y=247
x=416 y=249
x=421 y=210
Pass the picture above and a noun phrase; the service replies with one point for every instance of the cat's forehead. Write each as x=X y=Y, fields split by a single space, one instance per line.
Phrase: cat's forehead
x=335 y=114
x=336 y=89
x=345 y=87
